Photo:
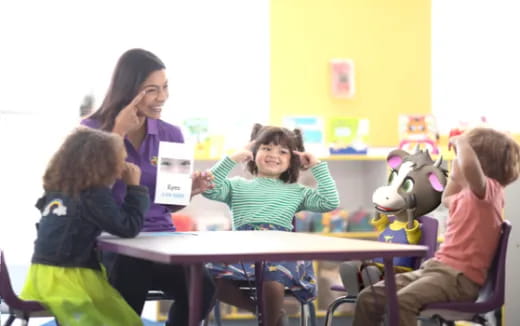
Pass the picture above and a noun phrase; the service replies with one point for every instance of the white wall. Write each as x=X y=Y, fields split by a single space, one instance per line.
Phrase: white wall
x=475 y=64
x=475 y=69
x=56 y=51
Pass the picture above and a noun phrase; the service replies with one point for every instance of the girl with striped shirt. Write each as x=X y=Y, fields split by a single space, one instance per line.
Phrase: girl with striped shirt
x=269 y=201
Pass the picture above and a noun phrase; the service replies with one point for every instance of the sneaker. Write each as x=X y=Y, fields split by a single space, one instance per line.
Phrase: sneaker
x=284 y=319
x=370 y=275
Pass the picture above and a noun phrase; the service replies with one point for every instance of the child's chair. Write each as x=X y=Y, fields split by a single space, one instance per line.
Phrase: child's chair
x=491 y=296
x=17 y=308
x=430 y=227
x=307 y=310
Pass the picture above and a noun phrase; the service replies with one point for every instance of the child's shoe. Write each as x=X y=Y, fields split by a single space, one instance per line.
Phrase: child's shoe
x=284 y=318
x=370 y=275
x=349 y=276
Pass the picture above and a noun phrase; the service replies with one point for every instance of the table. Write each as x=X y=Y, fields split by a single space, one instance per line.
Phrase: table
x=197 y=248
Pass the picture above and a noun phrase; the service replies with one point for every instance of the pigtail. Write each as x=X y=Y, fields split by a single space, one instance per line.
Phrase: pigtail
x=251 y=165
x=298 y=140
x=256 y=130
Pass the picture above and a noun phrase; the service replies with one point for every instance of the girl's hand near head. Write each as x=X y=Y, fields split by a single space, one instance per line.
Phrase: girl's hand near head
x=128 y=118
x=307 y=160
x=201 y=181
x=244 y=155
x=131 y=174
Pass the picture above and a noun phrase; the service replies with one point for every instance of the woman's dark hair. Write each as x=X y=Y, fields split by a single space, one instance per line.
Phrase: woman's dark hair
x=131 y=70
x=87 y=158
x=265 y=135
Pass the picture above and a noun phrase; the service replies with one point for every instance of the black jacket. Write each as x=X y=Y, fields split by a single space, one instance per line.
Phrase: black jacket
x=69 y=227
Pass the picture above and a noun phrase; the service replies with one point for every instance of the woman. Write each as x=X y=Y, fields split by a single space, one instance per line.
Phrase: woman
x=132 y=108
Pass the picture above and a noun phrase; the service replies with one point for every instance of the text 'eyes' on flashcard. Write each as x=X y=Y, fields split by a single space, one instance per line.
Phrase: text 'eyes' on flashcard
x=174 y=170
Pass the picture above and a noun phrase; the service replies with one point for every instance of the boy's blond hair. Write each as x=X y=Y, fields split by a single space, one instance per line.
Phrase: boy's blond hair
x=498 y=154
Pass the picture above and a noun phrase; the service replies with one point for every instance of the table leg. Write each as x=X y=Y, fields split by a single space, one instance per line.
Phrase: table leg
x=391 y=292
x=259 y=281
x=195 y=297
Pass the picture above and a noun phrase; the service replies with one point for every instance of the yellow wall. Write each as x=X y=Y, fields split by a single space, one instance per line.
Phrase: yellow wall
x=389 y=42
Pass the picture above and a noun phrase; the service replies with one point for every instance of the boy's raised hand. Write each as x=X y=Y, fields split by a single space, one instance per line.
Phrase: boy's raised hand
x=307 y=160
x=452 y=142
x=128 y=118
x=469 y=169
x=131 y=174
x=244 y=155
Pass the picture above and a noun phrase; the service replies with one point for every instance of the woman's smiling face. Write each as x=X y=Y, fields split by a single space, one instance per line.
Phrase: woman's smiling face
x=156 y=87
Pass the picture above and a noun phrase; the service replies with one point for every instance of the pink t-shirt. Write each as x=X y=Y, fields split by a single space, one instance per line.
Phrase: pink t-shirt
x=473 y=231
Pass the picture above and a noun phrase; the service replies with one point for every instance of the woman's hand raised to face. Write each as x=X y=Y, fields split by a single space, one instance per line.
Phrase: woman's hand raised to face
x=128 y=118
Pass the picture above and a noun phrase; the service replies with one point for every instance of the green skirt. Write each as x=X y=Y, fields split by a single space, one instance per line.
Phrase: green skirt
x=78 y=296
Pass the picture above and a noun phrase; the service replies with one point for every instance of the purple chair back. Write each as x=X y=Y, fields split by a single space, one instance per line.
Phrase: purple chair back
x=430 y=231
x=9 y=296
x=491 y=295
x=429 y=235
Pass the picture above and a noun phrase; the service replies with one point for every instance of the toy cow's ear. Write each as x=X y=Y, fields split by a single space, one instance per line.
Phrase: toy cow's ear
x=396 y=157
x=436 y=178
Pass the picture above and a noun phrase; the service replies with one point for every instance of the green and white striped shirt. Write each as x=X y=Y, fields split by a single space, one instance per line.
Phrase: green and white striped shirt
x=268 y=200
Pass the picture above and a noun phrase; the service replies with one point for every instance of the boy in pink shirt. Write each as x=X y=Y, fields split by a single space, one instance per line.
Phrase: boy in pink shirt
x=486 y=161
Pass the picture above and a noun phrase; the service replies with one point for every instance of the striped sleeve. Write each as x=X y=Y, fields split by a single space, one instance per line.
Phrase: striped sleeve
x=325 y=198
x=222 y=190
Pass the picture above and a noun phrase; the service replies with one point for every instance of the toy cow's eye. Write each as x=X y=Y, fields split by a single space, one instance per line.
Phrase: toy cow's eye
x=407 y=185
x=392 y=176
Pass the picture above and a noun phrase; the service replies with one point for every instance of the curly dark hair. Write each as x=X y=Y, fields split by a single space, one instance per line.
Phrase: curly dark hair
x=87 y=158
x=497 y=152
x=293 y=140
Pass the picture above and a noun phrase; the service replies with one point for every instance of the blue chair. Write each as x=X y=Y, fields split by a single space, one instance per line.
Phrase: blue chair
x=430 y=228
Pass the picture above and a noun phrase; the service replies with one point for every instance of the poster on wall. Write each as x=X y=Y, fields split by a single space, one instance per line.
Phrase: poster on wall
x=174 y=170
x=418 y=130
x=348 y=135
x=342 y=73
x=196 y=131
x=312 y=128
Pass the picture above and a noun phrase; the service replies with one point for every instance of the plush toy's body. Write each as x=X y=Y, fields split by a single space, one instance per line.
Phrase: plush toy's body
x=397 y=232
x=414 y=189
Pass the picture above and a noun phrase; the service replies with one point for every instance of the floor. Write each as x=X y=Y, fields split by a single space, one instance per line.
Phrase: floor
x=18 y=276
x=343 y=321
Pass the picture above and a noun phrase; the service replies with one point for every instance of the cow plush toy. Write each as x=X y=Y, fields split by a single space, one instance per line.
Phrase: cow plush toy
x=414 y=188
